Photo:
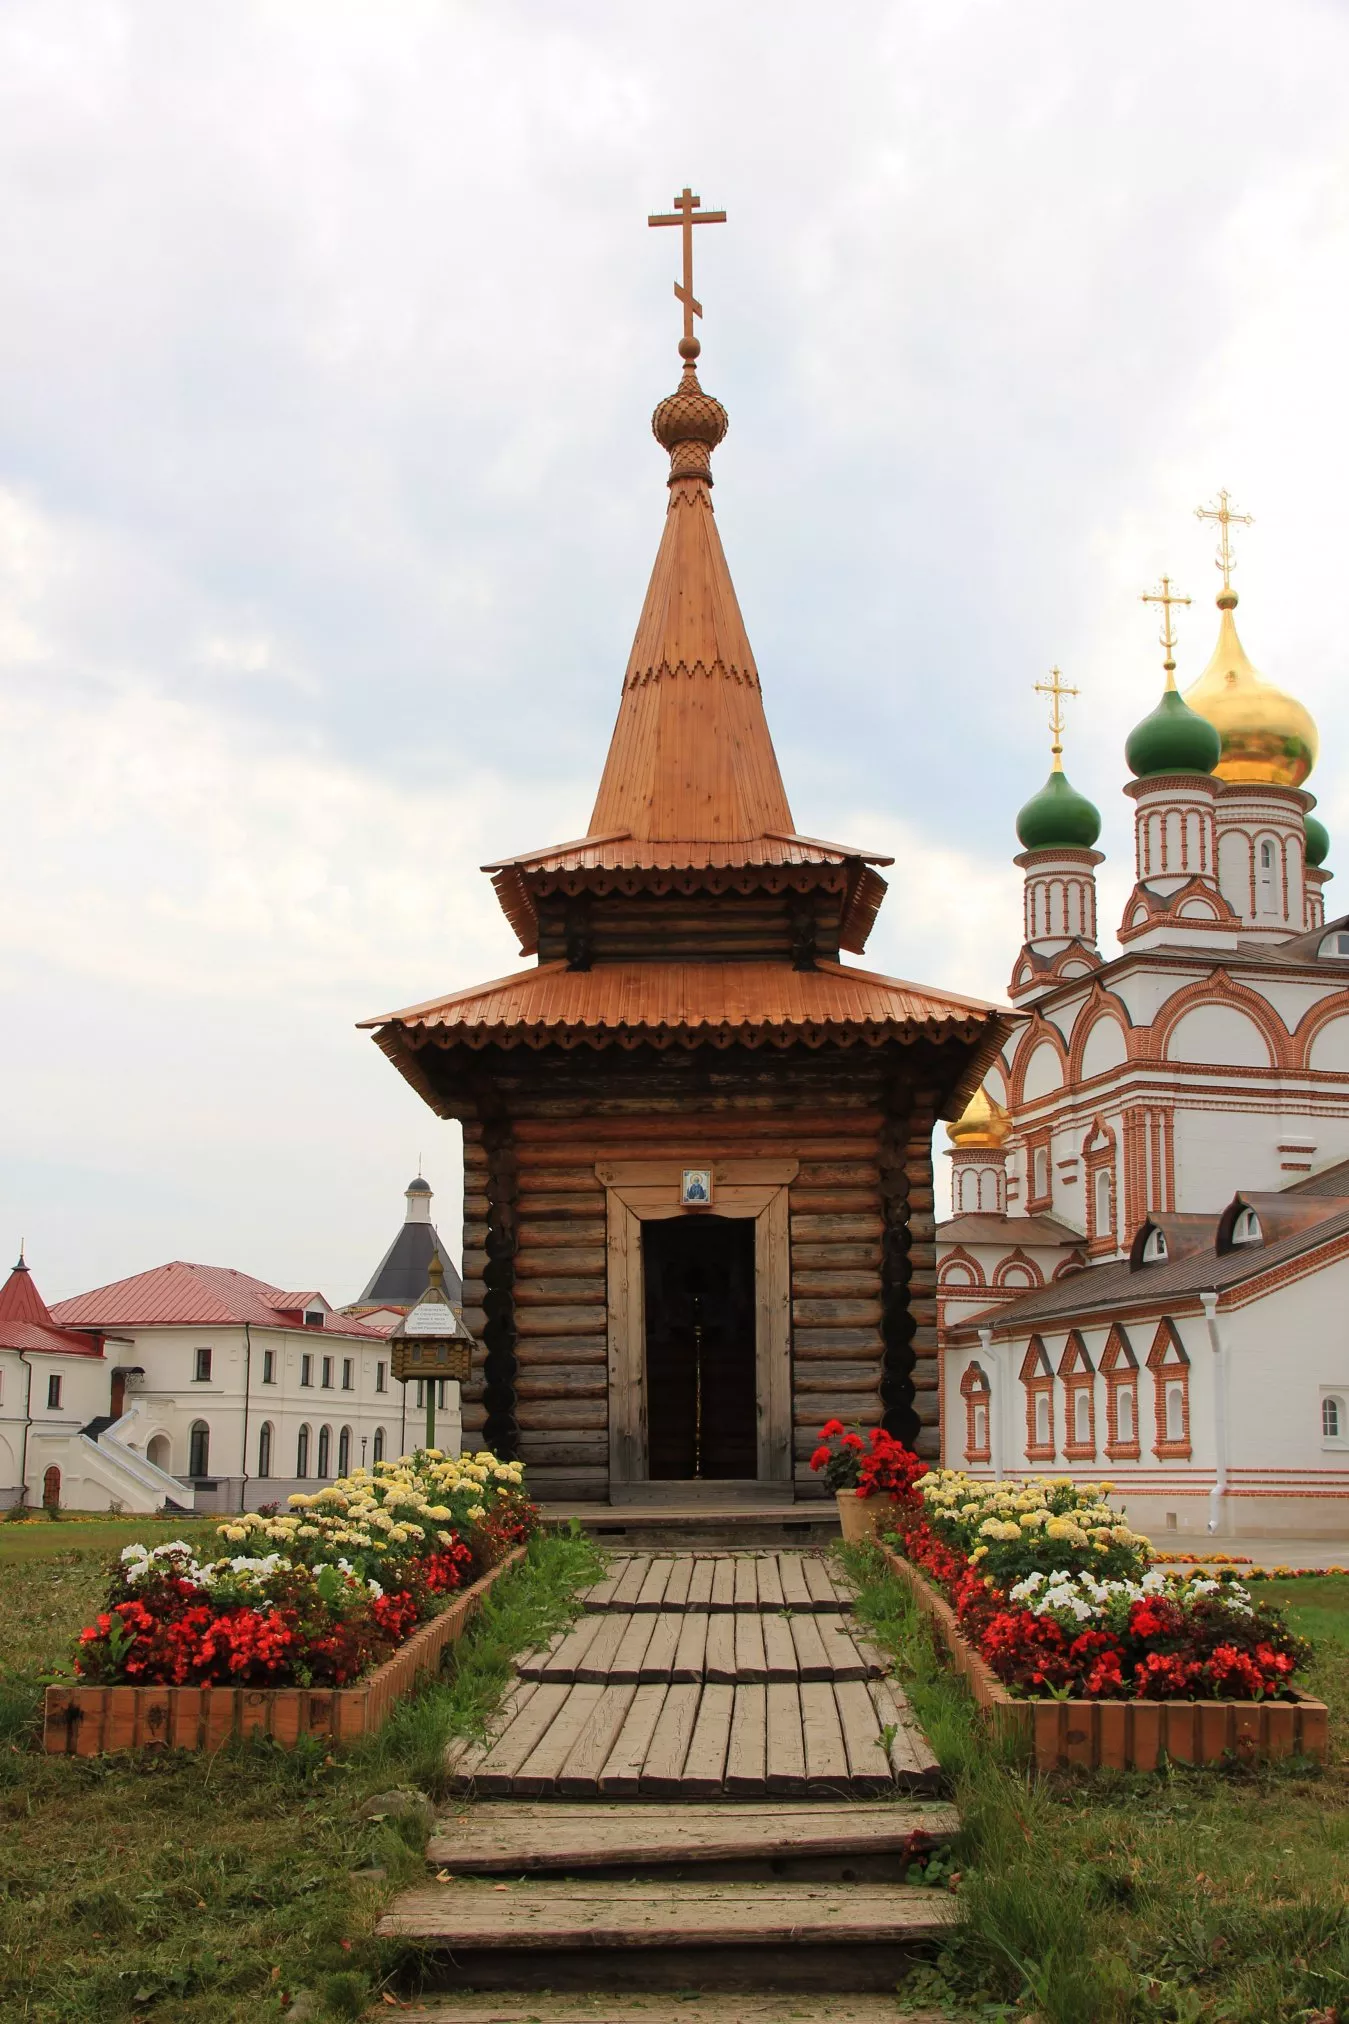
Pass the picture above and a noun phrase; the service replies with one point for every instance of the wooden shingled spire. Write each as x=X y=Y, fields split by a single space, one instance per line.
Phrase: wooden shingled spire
x=691 y=758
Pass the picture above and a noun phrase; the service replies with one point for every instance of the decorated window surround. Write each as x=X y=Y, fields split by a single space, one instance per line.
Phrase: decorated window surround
x=1119 y=1367
x=1170 y=1367
x=1039 y=1201
x=1037 y=1376
x=1098 y=1157
x=976 y=1392
x=1079 y=1382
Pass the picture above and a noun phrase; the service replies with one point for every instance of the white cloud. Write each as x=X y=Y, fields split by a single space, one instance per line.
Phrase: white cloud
x=326 y=503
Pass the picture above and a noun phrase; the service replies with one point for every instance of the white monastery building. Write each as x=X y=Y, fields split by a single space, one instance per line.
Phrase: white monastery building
x=196 y=1387
x=1146 y=1202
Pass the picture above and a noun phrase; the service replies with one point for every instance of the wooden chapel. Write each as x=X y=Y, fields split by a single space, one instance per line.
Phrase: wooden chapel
x=698 y=1211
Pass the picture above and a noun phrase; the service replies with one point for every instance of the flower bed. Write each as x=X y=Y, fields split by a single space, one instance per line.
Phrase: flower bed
x=329 y=1593
x=85 y=1721
x=1050 y=1604
x=1058 y=1734
x=1056 y=1594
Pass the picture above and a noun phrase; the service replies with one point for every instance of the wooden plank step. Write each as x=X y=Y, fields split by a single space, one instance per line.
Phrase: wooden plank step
x=470 y=1916
x=730 y=2008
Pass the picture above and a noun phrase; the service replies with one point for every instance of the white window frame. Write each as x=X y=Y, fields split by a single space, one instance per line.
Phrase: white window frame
x=1340 y=1394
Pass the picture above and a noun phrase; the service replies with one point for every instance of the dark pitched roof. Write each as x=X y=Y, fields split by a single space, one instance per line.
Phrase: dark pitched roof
x=400 y=1278
x=1118 y=1287
x=1330 y=1181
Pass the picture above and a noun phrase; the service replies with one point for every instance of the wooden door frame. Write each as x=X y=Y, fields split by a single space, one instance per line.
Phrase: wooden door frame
x=641 y=1191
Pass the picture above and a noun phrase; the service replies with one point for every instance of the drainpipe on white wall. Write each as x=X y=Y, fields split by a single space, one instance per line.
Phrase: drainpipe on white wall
x=1209 y=1303
x=995 y=1402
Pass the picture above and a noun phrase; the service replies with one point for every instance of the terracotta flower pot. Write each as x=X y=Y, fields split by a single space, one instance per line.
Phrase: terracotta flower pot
x=858 y=1516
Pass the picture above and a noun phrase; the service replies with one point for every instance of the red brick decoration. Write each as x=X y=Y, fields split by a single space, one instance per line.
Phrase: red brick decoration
x=1123 y=1735
x=1038 y=1378
x=1119 y=1367
x=1079 y=1382
x=1170 y=1367
x=89 y=1721
x=974 y=1389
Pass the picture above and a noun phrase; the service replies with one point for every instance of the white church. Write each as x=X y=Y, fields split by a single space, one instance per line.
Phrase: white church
x=1146 y=1272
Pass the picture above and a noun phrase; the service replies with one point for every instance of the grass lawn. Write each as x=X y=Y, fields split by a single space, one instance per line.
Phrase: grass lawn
x=45 y=1538
x=197 y=1890
x=1166 y=1898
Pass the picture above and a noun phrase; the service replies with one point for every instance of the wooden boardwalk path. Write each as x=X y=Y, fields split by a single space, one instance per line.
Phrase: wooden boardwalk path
x=709 y=1778
x=703 y=1676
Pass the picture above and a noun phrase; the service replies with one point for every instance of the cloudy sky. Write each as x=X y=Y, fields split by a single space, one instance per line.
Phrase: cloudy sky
x=329 y=334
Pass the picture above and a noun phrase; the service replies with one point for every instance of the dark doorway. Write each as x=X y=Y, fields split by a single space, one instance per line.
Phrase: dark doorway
x=699 y=1309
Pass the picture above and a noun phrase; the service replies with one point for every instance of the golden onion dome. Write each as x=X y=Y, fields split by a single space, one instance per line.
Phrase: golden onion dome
x=1266 y=734
x=983 y=1122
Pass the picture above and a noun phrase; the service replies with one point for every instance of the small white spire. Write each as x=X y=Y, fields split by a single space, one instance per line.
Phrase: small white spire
x=418 y=1196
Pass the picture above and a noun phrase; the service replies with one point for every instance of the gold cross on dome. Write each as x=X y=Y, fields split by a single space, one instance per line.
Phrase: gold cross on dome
x=1166 y=597
x=1226 y=519
x=1056 y=688
x=687 y=214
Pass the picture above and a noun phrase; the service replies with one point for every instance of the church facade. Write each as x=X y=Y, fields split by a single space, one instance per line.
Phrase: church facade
x=698 y=1212
x=1146 y=1102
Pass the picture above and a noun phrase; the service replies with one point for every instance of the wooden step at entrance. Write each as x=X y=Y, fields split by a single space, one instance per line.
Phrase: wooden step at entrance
x=518 y=1836
x=831 y=1738
x=619 y=1647
x=542 y=2008
x=716 y=1582
x=472 y=1917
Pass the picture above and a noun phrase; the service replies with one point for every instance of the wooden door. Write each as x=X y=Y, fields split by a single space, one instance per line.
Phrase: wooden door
x=51 y=1489
x=698 y=1282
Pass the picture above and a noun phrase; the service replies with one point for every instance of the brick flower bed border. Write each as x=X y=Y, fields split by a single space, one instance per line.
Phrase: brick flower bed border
x=1121 y=1735
x=87 y=1721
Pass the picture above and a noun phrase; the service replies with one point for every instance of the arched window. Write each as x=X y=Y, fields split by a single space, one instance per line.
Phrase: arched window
x=302 y=1452
x=1124 y=1414
x=199 y=1449
x=379 y=1444
x=265 y=1448
x=1043 y=1434
x=1154 y=1249
x=1082 y=1418
x=1105 y=1220
x=325 y=1449
x=1170 y=1367
x=1040 y=1173
x=344 y=1451
x=1332 y=1419
x=974 y=1389
x=1265 y=897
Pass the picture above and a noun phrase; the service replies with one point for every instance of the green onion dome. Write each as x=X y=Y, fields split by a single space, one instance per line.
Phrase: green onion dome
x=1174 y=739
x=1058 y=818
x=1318 y=842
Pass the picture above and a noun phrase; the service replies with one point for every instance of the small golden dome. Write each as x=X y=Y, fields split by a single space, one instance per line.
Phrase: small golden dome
x=1266 y=734
x=983 y=1122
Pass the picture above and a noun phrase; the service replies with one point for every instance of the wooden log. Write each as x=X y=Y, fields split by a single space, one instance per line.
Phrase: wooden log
x=556 y=1382
x=538 y=1414
x=856 y=1313
x=561 y=1261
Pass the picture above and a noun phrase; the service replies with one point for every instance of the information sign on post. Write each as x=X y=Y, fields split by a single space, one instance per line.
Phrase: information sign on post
x=432 y=1345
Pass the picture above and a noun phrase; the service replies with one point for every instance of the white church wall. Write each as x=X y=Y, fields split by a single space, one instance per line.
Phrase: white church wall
x=1329 y=1051
x=1106 y=1046
x=1217 y=1151
x=1044 y=1073
x=1220 y=1035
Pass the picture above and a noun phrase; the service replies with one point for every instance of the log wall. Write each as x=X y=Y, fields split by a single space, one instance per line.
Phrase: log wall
x=862 y=1250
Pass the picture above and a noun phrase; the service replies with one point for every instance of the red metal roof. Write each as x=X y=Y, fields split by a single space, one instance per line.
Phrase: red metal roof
x=193 y=1295
x=662 y=1003
x=26 y=1321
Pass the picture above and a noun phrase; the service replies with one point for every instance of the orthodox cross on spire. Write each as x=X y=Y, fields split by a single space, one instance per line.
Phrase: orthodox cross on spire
x=1226 y=519
x=1166 y=597
x=1057 y=689
x=686 y=215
